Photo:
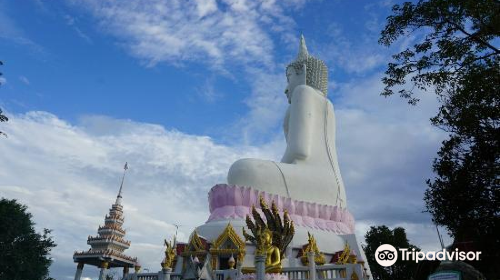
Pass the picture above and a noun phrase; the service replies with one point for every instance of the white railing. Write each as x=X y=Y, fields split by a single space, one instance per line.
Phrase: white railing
x=330 y=272
x=175 y=276
x=323 y=272
x=219 y=275
x=296 y=273
x=148 y=276
x=152 y=276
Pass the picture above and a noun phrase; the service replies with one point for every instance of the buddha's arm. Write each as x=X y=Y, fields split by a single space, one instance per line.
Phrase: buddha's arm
x=275 y=257
x=285 y=123
x=301 y=117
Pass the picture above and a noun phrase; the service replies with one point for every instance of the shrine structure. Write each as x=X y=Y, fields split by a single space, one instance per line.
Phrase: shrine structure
x=107 y=248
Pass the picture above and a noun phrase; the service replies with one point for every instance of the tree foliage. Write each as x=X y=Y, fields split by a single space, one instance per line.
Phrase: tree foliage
x=24 y=253
x=379 y=235
x=457 y=35
x=456 y=55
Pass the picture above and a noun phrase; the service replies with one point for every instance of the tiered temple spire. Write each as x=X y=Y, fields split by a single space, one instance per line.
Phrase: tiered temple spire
x=108 y=246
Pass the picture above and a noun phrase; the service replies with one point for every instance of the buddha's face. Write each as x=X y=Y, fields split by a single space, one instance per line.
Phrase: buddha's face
x=294 y=79
x=267 y=238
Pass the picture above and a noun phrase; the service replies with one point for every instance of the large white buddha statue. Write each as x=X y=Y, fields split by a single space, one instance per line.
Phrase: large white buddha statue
x=306 y=183
x=309 y=170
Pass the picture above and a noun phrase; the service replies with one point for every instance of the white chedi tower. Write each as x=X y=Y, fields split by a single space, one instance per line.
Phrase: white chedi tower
x=107 y=248
x=306 y=183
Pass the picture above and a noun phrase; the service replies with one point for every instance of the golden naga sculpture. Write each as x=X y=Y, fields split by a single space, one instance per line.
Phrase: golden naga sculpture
x=271 y=237
x=169 y=255
x=319 y=258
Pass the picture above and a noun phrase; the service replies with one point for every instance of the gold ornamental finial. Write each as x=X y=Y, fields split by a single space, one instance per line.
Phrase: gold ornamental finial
x=312 y=246
x=344 y=257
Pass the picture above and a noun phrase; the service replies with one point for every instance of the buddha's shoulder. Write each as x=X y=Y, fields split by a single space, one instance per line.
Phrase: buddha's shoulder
x=302 y=92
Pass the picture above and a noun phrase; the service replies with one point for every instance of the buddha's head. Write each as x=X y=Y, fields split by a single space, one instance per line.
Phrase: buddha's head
x=306 y=70
x=267 y=237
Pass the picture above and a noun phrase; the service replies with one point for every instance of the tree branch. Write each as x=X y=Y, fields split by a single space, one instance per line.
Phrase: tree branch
x=473 y=36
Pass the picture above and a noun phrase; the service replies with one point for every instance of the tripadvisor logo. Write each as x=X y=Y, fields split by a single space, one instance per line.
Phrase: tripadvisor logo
x=387 y=255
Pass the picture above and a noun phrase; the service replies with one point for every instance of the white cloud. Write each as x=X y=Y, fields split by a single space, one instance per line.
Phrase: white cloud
x=208 y=91
x=267 y=105
x=385 y=149
x=218 y=35
x=225 y=36
x=68 y=176
x=350 y=56
x=72 y=22
x=24 y=80
x=228 y=31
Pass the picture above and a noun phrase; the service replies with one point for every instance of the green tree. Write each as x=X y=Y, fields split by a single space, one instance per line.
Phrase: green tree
x=24 y=253
x=456 y=56
x=376 y=236
x=3 y=118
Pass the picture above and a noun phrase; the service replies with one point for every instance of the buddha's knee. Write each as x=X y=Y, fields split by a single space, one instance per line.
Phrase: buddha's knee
x=245 y=172
x=241 y=171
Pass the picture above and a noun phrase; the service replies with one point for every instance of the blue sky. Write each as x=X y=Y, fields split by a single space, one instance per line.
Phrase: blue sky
x=80 y=61
x=180 y=90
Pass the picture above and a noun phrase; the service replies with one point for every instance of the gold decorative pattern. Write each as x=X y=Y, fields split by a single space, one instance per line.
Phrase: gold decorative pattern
x=230 y=233
x=311 y=246
x=217 y=248
x=344 y=257
x=195 y=246
x=352 y=259
x=248 y=270
x=170 y=253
